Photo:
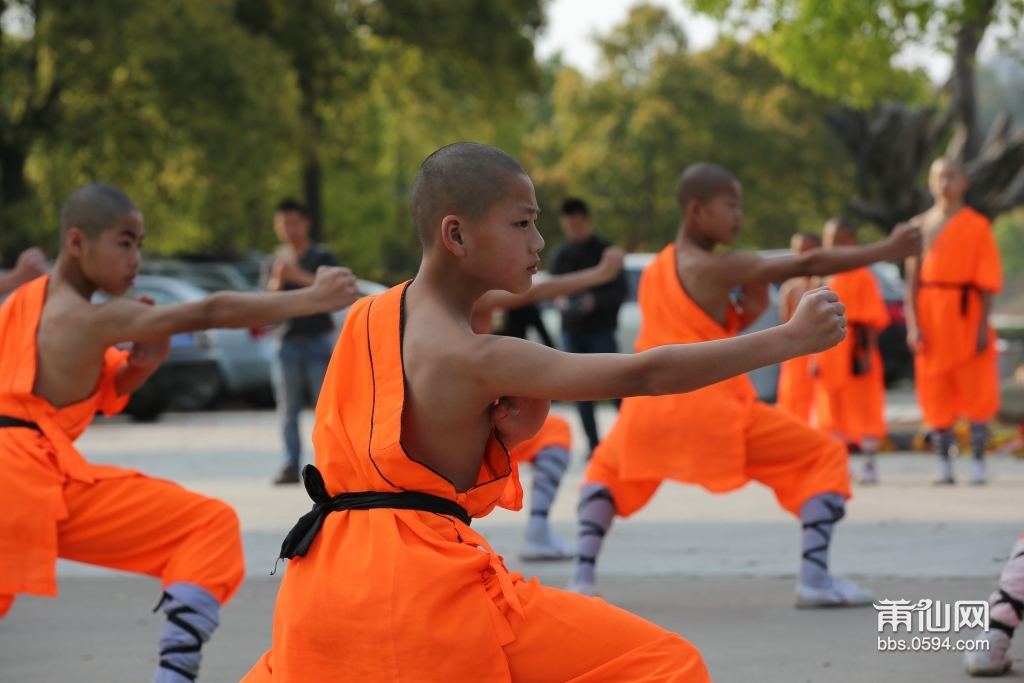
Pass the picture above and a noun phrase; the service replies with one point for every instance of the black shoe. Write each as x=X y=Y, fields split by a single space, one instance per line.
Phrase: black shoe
x=289 y=474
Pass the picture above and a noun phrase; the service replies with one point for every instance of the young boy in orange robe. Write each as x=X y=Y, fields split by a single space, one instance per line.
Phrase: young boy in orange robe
x=849 y=388
x=721 y=437
x=948 y=301
x=796 y=388
x=58 y=368
x=415 y=435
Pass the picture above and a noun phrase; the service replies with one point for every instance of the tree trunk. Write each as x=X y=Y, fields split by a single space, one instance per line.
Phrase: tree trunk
x=312 y=194
x=967 y=142
x=13 y=186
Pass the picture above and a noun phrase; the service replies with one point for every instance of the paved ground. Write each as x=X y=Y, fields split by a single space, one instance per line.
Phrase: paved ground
x=717 y=569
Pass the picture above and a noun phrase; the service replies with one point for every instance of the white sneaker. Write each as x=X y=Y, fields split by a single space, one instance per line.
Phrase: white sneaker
x=870 y=474
x=978 y=472
x=556 y=548
x=583 y=588
x=993 y=661
x=945 y=473
x=843 y=593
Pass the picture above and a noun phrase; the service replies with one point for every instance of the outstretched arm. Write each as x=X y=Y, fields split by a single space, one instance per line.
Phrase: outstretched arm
x=514 y=367
x=124 y=320
x=741 y=267
x=557 y=285
x=30 y=265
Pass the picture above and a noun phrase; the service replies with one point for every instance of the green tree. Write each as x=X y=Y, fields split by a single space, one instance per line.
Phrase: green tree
x=844 y=48
x=480 y=46
x=622 y=140
x=172 y=100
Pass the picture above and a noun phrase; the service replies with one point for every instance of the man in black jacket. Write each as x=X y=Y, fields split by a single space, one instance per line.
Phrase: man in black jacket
x=589 y=319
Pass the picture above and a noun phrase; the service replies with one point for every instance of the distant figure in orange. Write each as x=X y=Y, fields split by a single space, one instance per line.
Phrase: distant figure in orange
x=59 y=367
x=721 y=437
x=948 y=302
x=796 y=389
x=849 y=387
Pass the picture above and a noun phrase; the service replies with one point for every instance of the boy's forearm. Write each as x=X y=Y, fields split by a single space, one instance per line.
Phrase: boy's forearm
x=237 y=309
x=130 y=377
x=686 y=367
x=842 y=259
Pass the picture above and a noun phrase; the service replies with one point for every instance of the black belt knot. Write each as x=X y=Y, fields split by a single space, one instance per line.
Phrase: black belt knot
x=8 y=421
x=300 y=538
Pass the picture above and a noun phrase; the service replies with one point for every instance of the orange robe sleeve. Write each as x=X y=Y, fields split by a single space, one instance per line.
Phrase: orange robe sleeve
x=963 y=261
x=38 y=463
x=670 y=437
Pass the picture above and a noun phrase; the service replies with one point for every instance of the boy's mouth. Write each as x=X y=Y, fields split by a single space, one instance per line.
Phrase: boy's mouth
x=533 y=269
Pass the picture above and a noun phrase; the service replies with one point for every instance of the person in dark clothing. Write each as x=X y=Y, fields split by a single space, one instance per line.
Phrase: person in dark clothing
x=306 y=343
x=589 y=319
x=518 y=321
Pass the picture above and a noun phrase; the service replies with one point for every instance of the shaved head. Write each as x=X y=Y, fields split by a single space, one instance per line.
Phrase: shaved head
x=463 y=179
x=840 y=225
x=948 y=163
x=702 y=182
x=93 y=209
x=804 y=241
x=839 y=232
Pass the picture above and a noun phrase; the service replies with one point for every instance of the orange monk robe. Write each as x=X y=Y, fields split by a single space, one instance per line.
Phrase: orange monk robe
x=721 y=436
x=554 y=432
x=404 y=595
x=850 y=387
x=53 y=503
x=952 y=378
x=796 y=388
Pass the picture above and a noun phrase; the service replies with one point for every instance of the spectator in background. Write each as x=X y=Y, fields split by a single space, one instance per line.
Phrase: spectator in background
x=305 y=344
x=30 y=265
x=518 y=321
x=589 y=318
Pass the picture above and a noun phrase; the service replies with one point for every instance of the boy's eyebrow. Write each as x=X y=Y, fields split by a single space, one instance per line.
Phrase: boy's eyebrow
x=530 y=209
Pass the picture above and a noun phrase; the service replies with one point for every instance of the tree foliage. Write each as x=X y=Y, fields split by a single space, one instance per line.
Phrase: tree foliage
x=622 y=140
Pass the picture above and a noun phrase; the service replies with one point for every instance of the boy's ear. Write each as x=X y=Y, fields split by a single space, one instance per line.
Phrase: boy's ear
x=74 y=242
x=451 y=235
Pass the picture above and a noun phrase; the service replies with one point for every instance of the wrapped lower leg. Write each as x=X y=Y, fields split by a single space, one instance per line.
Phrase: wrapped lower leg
x=192 y=615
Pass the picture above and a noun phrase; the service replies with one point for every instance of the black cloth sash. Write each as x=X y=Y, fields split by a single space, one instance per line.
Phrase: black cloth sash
x=965 y=292
x=300 y=538
x=7 y=421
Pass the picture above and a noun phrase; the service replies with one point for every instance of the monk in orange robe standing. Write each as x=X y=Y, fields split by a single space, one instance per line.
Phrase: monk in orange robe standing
x=58 y=368
x=948 y=301
x=416 y=434
x=722 y=437
x=849 y=388
x=796 y=390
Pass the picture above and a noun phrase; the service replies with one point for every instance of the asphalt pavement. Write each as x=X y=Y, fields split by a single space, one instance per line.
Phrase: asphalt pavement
x=719 y=570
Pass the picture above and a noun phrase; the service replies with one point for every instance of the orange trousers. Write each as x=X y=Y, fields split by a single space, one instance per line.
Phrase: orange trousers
x=152 y=527
x=794 y=460
x=970 y=390
x=564 y=638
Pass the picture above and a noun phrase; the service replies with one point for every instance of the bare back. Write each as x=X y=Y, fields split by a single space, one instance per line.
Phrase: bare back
x=704 y=277
x=442 y=427
x=69 y=359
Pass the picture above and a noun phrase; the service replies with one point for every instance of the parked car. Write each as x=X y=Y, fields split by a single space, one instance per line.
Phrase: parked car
x=892 y=341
